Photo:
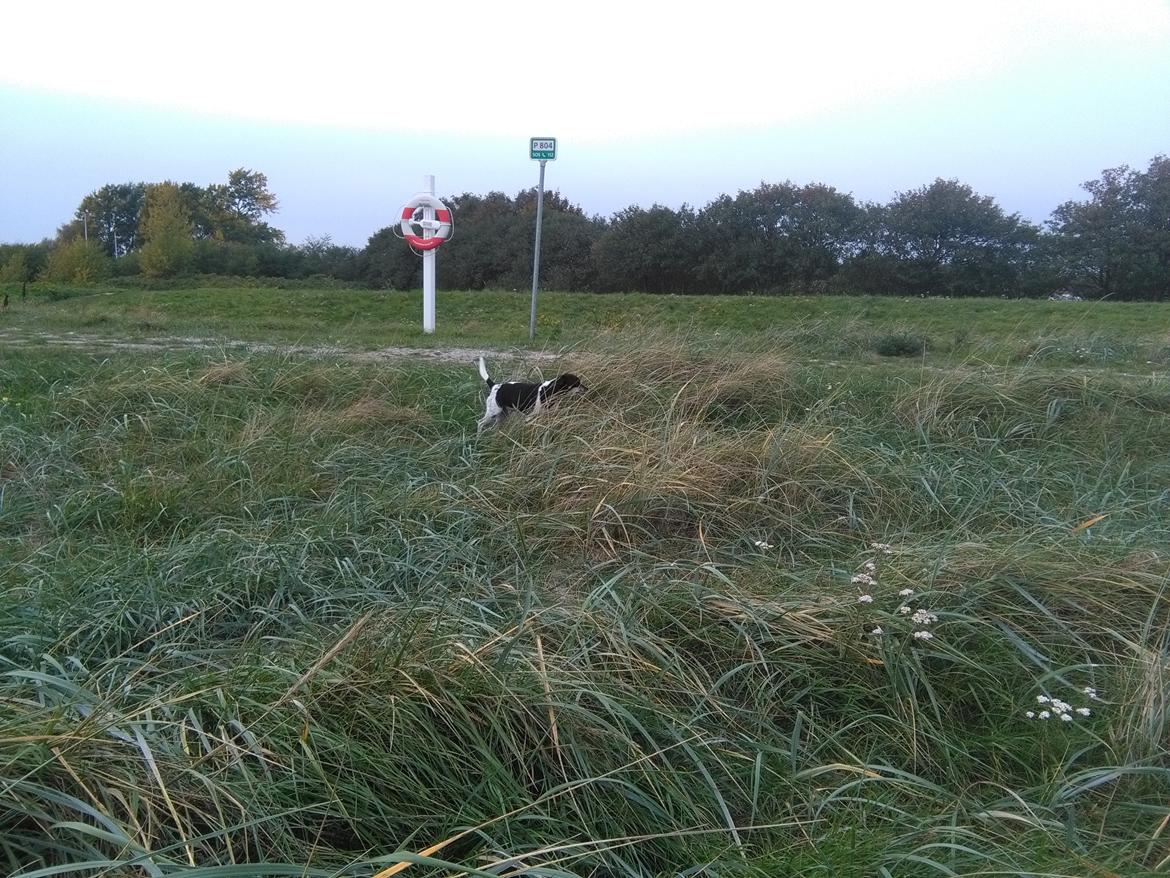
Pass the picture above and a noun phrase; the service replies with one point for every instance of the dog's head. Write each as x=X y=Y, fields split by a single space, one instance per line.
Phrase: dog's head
x=568 y=383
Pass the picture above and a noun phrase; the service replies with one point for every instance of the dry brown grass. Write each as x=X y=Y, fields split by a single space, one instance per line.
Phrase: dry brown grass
x=643 y=456
x=259 y=426
x=697 y=385
x=227 y=372
x=365 y=413
x=373 y=412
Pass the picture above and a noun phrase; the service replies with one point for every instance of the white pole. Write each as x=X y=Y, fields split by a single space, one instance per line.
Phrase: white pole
x=536 y=254
x=428 y=259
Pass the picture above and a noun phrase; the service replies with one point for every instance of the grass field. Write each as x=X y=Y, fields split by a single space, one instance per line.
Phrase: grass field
x=985 y=330
x=269 y=613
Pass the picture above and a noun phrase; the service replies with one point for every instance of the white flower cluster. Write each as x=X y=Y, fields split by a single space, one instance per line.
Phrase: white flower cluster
x=1055 y=707
x=923 y=617
x=867 y=578
x=764 y=545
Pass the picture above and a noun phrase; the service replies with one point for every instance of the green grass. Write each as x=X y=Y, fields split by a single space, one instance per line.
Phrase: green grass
x=288 y=615
x=1132 y=334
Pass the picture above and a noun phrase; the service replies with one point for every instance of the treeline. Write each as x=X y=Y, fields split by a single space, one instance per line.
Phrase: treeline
x=161 y=230
x=939 y=239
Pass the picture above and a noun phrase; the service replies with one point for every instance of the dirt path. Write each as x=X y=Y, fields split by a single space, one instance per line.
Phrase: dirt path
x=171 y=343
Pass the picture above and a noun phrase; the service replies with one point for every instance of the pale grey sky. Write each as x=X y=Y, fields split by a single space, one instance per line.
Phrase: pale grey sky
x=345 y=108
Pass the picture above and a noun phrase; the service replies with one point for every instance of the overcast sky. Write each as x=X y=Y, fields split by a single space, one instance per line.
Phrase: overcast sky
x=346 y=105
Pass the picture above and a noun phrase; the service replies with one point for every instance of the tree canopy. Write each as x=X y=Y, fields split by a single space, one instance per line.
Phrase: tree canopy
x=1117 y=242
x=167 y=232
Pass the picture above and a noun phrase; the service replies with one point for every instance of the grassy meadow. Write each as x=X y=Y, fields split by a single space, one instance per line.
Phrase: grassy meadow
x=775 y=598
x=986 y=330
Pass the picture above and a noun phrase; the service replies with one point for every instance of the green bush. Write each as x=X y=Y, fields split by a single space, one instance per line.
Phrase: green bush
x=79 y=262
x=900 y=344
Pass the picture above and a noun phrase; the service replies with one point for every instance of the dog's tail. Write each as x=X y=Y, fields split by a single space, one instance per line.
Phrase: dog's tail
x=483 y=372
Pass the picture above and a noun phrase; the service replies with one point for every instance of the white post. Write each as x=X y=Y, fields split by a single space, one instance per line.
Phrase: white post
x=428 y=260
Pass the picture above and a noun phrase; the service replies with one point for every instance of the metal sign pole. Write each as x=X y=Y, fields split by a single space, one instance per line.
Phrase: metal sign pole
x=428 y=260
x=536 y=255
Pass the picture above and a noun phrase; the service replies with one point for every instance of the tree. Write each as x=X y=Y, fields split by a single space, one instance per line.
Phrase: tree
x=16 y=268
x=320 y=256
x=248 y=197
x=387 y=263
x=112 y=215
x=22 y=262
x=566 y=251
x=1152 y=200
x=820 y=230
x=234 y=210
x=779 y=236
x=197 y=202
x=77 y=261
x=1117 y=243
x=567 y=240
x=1093 y=235
x=650 y=251
x=488 y=246
x=949 y=240
x=167 y=232
x=729 y=246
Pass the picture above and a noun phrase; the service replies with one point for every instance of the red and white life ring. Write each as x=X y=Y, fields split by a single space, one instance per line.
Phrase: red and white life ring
x=434 y=218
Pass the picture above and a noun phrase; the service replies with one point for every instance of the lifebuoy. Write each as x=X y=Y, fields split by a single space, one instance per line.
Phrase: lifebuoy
x=438 y=222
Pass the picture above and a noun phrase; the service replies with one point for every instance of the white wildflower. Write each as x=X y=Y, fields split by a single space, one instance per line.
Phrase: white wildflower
x=865 y=599
x=884 y=548
x=1091 y=692
x=923 y=635
x=1030 y=714
x=904 y=610
x=761 y=544
x=1059 y=706
x=1044 y=714
x=863 y=579
x=877 y=632
x=1066 y=717
x=1084 y=711
x=923 y=617
x=906 y=592
x=870 y=567
x=1042 y=699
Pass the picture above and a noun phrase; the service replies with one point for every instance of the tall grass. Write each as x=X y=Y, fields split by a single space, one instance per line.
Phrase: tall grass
x=276 y=616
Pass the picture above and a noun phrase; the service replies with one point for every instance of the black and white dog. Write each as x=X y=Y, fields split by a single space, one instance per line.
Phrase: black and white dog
x=522 y=396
